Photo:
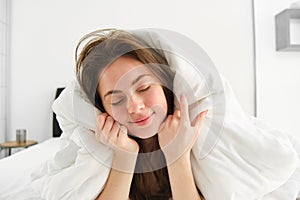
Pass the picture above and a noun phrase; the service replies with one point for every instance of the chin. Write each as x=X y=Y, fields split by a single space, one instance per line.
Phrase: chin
x=144 y=135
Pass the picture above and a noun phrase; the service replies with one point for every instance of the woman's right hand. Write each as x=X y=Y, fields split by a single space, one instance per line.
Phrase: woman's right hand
x=114 y=135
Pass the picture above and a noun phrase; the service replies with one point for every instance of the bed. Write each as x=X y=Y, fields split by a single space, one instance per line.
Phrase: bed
x=239 y=165
x=15 y=170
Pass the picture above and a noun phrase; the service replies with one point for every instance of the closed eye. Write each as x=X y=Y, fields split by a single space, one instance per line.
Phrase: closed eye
x=117 y=102
x=144 y=88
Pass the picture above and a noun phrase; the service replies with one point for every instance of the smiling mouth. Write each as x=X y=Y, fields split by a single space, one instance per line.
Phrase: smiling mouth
x=144 y=121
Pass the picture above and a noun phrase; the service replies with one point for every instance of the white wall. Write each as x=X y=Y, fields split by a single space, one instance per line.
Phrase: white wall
x=4 y=26
x=45 y=32
x=278 y=72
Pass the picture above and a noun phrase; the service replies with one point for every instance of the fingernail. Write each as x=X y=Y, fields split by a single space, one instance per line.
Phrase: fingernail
x=206 y=112
x=178 y=113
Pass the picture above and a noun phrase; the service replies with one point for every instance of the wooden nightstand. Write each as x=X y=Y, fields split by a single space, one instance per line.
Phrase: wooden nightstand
x=13 y=144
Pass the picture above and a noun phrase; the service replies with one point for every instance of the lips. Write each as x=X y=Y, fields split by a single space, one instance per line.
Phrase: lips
x=141 y=121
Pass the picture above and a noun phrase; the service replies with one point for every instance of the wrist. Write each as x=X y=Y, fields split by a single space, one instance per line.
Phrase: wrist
x=174 y=156
x=124 y=161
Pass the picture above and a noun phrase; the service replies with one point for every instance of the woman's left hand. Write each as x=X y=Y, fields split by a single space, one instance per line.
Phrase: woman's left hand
x=176 y=135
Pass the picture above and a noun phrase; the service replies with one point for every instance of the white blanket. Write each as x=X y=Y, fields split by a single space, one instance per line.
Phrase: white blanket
x=16 y=169
x=235 y=157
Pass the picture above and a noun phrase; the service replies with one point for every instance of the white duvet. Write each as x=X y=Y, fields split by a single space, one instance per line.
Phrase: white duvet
x=236 y=157
x=15 y=170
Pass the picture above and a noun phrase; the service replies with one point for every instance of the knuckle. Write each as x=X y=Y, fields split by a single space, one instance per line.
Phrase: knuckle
x=101 y=118
x=109 y=118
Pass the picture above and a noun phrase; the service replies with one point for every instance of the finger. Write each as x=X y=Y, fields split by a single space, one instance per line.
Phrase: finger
x=200 y=118
x=168 y=120
x=175 y=120
x=165 y=123
x=107 y=128
x=123 y=133
x=109 y=122
x=114 y=132
x=184 y=109
x=100 y=137
x=177 y=113
x=199 y=121
x=101 y=120
x=123 y=130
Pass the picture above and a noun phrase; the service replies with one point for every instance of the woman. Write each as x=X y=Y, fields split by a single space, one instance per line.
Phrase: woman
x=131 y=84
x=141 y=147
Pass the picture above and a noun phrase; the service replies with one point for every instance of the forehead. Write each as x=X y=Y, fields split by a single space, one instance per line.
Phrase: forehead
x=121 y=72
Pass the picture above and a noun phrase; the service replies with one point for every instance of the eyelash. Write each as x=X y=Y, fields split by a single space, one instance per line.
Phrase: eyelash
x=117 y=103
x=144 y=89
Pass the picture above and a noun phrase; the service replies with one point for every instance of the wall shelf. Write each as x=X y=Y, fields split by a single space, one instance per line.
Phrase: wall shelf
x=283 y=29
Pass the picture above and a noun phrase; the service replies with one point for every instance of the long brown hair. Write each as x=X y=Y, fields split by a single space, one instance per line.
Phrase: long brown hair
x=102 y=48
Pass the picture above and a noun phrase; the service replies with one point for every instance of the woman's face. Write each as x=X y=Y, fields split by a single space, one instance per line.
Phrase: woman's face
x=133 y=96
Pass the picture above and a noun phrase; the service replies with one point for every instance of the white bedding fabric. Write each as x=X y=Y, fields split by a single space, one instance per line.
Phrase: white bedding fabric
x=16 y=170
x=250 y=161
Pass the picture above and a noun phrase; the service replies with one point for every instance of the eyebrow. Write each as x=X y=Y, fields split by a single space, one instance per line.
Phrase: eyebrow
x=112 y=92
x=139 y=78
x=133 y=82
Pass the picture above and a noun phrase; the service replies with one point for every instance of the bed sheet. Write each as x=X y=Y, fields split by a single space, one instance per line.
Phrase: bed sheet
x=15 y=170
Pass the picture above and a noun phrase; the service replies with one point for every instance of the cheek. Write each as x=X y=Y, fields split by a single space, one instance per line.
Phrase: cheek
x=119 y=113
x=157 y=98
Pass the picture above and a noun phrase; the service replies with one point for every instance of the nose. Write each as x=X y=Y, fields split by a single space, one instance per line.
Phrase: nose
x=135 y=104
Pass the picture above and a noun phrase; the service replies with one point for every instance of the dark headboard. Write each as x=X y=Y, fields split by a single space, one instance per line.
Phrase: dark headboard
x=56 y=131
